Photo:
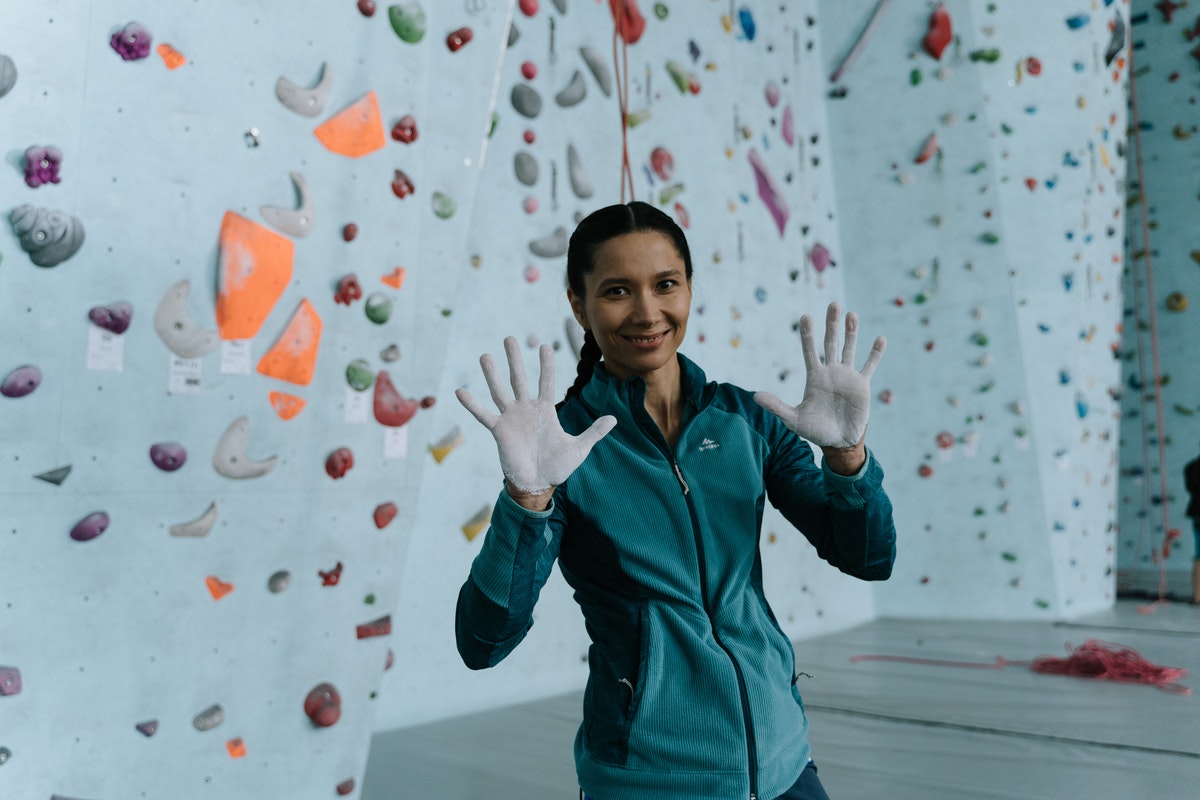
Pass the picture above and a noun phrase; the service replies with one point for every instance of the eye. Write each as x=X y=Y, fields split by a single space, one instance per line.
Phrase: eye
x=667 y=284
x=615 y=291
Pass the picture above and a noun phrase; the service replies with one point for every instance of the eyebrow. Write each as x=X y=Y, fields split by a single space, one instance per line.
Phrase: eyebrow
x=658 y=276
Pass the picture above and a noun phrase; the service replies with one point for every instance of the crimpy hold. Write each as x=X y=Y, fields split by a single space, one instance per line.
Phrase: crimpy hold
x=50 y=237
x=348 y=290
x=42 y=165
x=323 y=705
x=132 y=42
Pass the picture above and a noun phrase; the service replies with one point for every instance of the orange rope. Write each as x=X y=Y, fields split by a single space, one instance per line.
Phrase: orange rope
x=621 y=66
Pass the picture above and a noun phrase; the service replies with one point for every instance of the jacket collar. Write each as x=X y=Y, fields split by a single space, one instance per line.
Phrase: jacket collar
x=603 y=390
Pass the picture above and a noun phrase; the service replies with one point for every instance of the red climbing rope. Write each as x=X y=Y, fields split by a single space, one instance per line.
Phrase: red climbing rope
x=621 y=25
x=1143 y=206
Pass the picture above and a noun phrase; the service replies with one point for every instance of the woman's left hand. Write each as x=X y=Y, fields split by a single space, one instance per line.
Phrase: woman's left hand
x=837 y=398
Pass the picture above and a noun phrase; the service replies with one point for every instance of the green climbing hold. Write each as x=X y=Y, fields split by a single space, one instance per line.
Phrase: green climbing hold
x=915 y=77
x=990 y=238
x=635 y=118
x=408 y=21
x=990 y=55
x=359 y=374
x=669 y=193
x=443 y=205
x=661 y=11
x=1009 y=556
x=379 y=308
x=679 y=75
x=980 y=339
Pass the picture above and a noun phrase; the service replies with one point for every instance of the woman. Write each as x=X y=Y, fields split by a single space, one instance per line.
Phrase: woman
x=647 y=483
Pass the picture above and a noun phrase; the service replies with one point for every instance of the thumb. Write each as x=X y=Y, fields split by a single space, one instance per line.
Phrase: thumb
x=773 y=404
x=598 y=430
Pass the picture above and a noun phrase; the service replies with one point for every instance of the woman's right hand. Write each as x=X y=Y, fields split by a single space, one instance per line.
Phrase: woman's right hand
x=536 y=454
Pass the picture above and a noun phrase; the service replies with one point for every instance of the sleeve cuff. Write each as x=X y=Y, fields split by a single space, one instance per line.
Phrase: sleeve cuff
x=846 y=487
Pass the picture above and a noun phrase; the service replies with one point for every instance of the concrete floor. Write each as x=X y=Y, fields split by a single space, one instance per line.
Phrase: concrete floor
x=885 y=729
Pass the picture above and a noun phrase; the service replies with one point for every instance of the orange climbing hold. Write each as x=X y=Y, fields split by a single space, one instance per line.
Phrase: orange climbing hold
x=255 y=267
x=286 y=405
x=218 y=587
x=236 y=748
x=356 y=131
x=395 y=278
x=171 y=57
x=294 y=356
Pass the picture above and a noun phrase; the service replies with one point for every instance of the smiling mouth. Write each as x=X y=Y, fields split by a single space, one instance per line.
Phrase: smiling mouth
x=646 y=341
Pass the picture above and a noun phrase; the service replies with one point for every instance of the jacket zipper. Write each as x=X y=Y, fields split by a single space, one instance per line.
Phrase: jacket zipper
x=743 y=695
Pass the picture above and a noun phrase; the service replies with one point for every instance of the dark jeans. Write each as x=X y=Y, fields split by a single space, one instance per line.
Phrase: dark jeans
x=808 y=787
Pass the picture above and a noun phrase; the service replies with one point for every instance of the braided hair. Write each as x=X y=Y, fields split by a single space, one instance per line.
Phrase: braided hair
x=591 y=234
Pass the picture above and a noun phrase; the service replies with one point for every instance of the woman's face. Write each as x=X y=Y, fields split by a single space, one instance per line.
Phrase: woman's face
x=637 y=303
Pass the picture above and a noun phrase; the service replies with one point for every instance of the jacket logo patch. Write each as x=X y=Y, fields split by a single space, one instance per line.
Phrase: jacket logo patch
x=708 y=444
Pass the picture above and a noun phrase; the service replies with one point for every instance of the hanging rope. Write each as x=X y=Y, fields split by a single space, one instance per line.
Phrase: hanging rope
x=1143 y=207
x=621 y=67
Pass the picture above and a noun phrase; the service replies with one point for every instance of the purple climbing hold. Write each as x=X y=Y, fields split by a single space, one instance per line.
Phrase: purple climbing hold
x=90 y=527
x=819 y=256
x=114 y=317
x=21 y=381
x=132 y=42
x=168 y=456
x=10 y=681
x=42 y=165
x=148 y=728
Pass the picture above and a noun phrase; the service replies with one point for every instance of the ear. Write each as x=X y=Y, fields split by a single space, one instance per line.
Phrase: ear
x=577 y=308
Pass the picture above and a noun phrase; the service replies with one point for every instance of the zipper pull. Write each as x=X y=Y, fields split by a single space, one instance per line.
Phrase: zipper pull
x=683 y=483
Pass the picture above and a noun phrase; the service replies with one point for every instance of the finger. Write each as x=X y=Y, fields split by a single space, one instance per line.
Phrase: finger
x=773 y=404
x=495 y=385
x=831 y=333
x=874 y=356
x=485 y=417
x=516 y=369
x=598 y=430
x=808 y=345
x=546 y=380
x=851 y=339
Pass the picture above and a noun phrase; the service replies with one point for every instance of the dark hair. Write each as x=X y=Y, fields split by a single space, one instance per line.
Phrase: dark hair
x=590 y=235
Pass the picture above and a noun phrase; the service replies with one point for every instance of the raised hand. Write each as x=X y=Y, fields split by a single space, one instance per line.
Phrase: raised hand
x=837 y=399
x=535 y=452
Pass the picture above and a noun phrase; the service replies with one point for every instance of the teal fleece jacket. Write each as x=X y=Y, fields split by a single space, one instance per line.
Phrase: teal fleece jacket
x=692 y=691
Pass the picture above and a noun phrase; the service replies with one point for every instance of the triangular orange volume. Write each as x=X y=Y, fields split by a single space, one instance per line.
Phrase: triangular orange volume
x=286 y=405
x=218 y=587
x=255 y=267
x=294 y=356
x=356 y=131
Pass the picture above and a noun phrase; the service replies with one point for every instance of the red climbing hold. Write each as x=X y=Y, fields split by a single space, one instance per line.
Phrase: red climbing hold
x=940 y=33
x=384 y=514
x=332 y=576
x=349 y=290
x=457 y=39
x=391 y=409
x=323 y=705
x=366 y=7
x=405 y=130
x=339 y=462
x=628 y=19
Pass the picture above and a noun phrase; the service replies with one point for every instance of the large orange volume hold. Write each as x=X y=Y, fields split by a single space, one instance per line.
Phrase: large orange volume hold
x=294 y=356
x=255 y=267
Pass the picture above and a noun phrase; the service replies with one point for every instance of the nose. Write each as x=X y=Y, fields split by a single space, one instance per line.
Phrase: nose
x=645 y=309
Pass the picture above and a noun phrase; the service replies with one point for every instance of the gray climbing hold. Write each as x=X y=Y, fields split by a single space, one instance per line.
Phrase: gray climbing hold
x=561 y=5
x=526 y=100
x=553 y=245
x=580 y=183
x=599 y=69
x=573 y=93
x=513 y=35
x=526 y=167
x=50 y=237
x=8 y=74
x=55 y=476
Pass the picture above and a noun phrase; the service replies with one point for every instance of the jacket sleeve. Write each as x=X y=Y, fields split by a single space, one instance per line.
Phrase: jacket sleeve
x=495 y=605
x=847 y=518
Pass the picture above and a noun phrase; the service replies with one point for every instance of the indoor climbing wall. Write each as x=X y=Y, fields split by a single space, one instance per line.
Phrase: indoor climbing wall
x=728 y=135
x=233 y=238
x=1160 y=431
x=979 y=151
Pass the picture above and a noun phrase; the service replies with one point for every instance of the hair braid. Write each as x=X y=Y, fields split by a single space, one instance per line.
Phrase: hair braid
x=589 y=356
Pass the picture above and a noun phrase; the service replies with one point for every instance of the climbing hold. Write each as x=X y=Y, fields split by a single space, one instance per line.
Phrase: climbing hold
x=475 y=525
x=366 y=8
x=230 y=459
x=772 y=93
x=395 y=278
x=293 y=357
x=457 y=39
x=662 y=162
x=1078 y=21
x=148 y=728
x=8 y=75
x=988 y=55
x=279 y=581
x=378 y=308
x=945 y=440
x=339 y=462
x=526 y=168
x=553 y=245
x=255 y=266
x=21 y=381
x=295 y=222
x=929 y=150
x=132 y=42
x=746 y=21
x=332 y=576
x=925 y=470
x=90 y=527
x=42 y=165
x=10 y=681
x=446 y=445
x=526 y=100
x=323 y=705
x=443 y=205
x=307 y=102
x=168 y=456
x=599 y=69
x=1033 y=66
x=378 y=627
x=209 y=718
x=940 y=32
x=408 y=21
x=349 y=232
x=390 y=353
x=820 y=257
x=172 y=58
x=359 y=375
x=630 y=24
x=345 y=787
x=1116 y=39
x=573 y=93
x=769 y=191
x=114 y=318
x=236 y=748
x=217 y=587
x=1177 y=301
x=355 y=131
x=528 y=70
x=391 y=409
x=50 y=237
x=55 y=476
x=348 y=290
x=286 y=406
x=580 y=183
x=200 y=526
x=384 y=514
x=405 y=129
x=402 y=185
